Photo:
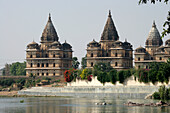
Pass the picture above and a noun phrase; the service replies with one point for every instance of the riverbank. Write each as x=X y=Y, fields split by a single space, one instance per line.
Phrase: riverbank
x=97 y=92
x=8 y=93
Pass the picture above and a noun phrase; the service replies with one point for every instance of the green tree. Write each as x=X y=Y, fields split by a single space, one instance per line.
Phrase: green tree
x=113 y=76
x=18 y=69
x=83 y=62
x=105 y=67
x=102 y=77
x=166 y=25
x=75 y=63
x=121 y=77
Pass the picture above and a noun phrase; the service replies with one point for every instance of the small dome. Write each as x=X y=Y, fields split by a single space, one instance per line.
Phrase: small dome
x=93 y=44
x=140 y=50
x=167 y=43
x=154 y=38
x=66 y=45
x=32 y=45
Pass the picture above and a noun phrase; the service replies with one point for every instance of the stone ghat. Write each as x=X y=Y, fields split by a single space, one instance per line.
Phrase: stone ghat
x=103 y=91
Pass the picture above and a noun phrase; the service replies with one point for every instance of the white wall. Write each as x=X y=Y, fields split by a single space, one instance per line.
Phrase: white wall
x=129 y=82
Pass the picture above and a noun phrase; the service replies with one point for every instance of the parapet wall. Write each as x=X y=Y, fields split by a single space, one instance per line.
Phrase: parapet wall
x=128 y=82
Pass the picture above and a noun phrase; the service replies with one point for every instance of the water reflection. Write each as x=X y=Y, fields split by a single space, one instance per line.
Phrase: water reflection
x=74 y=105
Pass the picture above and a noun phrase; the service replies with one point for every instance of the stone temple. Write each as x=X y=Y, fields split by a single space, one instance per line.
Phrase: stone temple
x=154 y=50
x=50 y=58
x=109 y=49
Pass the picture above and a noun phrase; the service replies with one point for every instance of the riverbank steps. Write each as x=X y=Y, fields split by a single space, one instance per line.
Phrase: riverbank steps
x=98 y=92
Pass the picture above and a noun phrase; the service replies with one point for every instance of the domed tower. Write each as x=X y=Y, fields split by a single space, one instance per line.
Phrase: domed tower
x=109 y=34
x=153 y=41
x=50 y=58
x=49 y=34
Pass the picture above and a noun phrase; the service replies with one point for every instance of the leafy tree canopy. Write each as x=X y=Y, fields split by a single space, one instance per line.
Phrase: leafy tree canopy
x=18 y=68
x=75 y=63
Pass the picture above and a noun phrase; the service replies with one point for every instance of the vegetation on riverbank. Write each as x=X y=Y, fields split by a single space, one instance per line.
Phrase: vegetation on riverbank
x=17 y=83
x=158 y=72
x=162 y=94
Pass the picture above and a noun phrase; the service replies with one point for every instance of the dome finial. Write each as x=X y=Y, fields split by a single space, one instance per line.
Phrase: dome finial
x=154 y=25
x=109 y=14
x=125 y=40
x=49 y=17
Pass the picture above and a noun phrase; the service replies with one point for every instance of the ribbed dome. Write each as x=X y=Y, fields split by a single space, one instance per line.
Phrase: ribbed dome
x=154 y=38
x=110 y=32
x=49 y=34
x=66 y=46
x=93 y=43
x=32 y=45
x=140 y=50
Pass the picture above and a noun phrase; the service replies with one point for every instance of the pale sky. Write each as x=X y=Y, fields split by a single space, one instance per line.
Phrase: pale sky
x=76 y=21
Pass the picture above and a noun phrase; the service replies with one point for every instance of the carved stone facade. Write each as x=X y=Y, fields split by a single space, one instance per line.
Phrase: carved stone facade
x=50 y=58
x=110 y=50
x=154 y=50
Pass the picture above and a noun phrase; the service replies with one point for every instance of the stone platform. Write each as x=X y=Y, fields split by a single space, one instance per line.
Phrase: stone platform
x=96 y=92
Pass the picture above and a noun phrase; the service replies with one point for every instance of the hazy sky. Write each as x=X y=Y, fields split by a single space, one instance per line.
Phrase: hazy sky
x=77 y=21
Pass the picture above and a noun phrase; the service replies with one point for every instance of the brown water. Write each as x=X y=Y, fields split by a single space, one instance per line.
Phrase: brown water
x=74 y=105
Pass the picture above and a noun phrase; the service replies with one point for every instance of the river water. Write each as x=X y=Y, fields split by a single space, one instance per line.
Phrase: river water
x=74 y=105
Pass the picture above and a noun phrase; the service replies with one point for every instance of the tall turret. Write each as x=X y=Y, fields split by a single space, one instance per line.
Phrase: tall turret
x=109 y=32
x=49 y=34
x=154 y=40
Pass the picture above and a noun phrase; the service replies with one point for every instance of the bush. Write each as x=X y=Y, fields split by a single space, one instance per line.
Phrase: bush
x=156 y=95
x=7 y=82
x=113 y=76
x=163 y=93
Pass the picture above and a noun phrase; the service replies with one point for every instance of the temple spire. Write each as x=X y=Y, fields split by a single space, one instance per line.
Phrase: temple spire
x=110 y=32
x=49 y=34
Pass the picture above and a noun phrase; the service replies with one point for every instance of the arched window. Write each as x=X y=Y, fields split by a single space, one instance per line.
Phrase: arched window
x=91 y=54
x=38 y=65
x=146 y=67
x=46 y=64
x=138 y=67
x=138 y=58
x=151 y=58
x=53 y=64
x=115 y=54
x=31 y=65
x=42 y=65
x=30 y=56
x=91 y=64
x=53 y=74
x=115 y=63
x=53 y=55
x=47 y=74
x=42 y=74
x=160 y=58
x=107 y=54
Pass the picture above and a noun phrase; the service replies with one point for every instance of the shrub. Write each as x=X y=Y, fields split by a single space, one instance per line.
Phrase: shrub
x=156 y=95
x=113 y=76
